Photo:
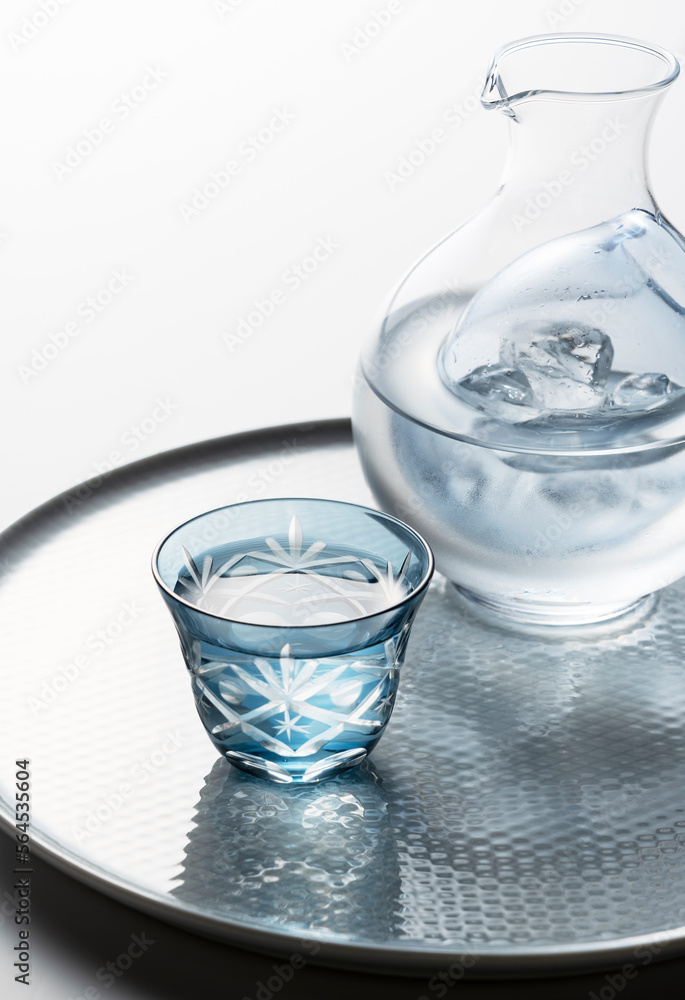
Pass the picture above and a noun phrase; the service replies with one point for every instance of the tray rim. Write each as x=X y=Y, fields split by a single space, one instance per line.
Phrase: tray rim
x=409 y=958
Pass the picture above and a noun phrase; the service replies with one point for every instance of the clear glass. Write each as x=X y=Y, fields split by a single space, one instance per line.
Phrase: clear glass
x=293 y=616
x=522 y=403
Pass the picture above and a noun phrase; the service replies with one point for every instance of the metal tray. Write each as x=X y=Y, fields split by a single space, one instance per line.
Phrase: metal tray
x=523 y=815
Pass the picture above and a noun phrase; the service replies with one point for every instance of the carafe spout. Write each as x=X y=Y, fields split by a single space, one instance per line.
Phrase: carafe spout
x=575 y=67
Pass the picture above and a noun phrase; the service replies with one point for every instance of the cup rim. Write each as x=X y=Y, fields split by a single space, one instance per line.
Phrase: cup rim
x=418 y=590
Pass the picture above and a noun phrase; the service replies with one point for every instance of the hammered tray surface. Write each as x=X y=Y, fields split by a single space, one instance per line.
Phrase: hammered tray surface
x=525 y=805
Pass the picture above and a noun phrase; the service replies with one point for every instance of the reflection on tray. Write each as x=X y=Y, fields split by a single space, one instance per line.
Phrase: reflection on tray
x=321 y=857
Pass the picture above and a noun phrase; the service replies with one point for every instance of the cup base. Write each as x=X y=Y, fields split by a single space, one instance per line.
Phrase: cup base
x=300 y=772
x=555 y=615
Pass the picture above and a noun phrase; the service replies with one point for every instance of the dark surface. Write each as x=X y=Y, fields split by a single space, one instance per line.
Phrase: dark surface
x=87 y=929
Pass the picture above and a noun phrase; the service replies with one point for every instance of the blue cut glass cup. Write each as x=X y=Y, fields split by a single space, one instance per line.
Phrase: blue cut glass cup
x=293 y=616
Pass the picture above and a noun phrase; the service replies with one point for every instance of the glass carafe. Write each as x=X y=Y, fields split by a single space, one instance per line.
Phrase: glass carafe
x=521 y=404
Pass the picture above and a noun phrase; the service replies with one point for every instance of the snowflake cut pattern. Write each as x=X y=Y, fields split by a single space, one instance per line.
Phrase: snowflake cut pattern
x=286 y=690
x=215 y=590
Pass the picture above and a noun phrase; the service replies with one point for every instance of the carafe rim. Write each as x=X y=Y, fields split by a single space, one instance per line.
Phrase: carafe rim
x=495 y=94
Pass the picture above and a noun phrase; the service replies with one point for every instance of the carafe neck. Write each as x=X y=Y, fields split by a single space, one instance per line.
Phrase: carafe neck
x=583 y=159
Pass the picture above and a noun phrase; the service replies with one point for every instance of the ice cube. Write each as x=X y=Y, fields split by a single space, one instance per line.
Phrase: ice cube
x=641 y=392
x=557 y=313
x=566 y=365
x=584 y=353
x=499 y=385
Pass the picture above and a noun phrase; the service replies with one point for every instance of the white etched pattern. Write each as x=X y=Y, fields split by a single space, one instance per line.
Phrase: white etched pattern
x=287 y=688
x=297 y=590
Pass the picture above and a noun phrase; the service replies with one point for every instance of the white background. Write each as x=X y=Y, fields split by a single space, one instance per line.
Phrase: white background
x=226 y=67
x=358 y=102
